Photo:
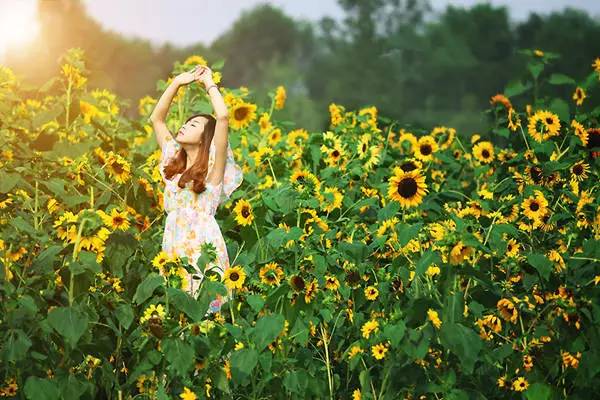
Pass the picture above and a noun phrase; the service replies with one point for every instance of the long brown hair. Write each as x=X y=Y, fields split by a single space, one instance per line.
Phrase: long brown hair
x=197 y=172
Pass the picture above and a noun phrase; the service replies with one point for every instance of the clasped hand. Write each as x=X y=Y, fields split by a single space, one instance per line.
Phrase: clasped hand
x=200 y=73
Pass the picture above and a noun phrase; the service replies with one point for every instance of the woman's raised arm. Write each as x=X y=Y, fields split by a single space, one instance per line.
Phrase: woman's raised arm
x=220 y=138
x=159 y=114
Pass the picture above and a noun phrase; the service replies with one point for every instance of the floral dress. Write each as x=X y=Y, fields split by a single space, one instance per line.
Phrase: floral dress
x=191 y=219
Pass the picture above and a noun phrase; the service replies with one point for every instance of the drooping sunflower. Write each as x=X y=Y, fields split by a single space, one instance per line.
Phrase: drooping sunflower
x=535 y=207
x=234 y=277
x=118 y=167
x=407 y=188
x=543 y=125
x=484 y=152
x=514 y=122
x=512 y=248
x=580 y=131
x=271 y=274
x=241 y=114
x=243 y=212
x=426 y=146
x=507 y=310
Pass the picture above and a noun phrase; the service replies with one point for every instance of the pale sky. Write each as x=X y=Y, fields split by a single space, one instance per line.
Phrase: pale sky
x=186 y=22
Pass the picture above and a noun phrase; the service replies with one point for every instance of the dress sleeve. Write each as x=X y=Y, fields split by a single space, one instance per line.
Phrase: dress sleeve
x=169 y=150
x=233 y=176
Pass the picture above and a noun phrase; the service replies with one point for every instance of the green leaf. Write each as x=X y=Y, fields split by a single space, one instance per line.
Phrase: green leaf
x=395 y=332
x=538 y=391
x=147 y=287
x=41 y=389
x=45 y=260
x=124 y=314
x=242 y=363
x=256 y=302
x=8 y=182
x=267 y=329
x=561 y=108
x=16 y=346
x=193 y=308
x=463 y=342
x=180 y=355
x=561 y=79
x=535 y=69
x=407 y=232
x=541 y=263
x=516 y=88
x=69 y=322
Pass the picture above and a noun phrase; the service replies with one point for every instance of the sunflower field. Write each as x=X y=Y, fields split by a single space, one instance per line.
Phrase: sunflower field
x=369 y=261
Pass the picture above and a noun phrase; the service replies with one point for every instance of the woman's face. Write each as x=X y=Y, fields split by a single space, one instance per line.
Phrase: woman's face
x=191 y=131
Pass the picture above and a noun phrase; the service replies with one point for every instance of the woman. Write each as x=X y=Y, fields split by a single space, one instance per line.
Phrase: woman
x=200 y=173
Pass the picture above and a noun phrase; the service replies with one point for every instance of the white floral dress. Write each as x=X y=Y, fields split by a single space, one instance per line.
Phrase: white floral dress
x=191 y=219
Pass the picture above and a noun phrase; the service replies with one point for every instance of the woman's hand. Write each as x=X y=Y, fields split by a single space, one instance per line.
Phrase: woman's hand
x=204 y=76
x=187 y=77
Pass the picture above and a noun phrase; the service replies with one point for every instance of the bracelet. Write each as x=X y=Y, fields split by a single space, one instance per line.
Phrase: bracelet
x=210 y=87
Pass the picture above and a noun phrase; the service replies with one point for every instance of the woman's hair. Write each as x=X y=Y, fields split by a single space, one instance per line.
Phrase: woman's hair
x=197 y=172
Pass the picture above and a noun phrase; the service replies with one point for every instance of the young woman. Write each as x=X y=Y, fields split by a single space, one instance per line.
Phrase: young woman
x=199 y=173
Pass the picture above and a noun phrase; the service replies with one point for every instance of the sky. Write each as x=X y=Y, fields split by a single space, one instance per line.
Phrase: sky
x=186 y=22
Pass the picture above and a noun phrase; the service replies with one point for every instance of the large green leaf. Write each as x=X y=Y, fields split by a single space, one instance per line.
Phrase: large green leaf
x=267 y=329
x=41 y=389
x=179 y=355
x=463 y=342
x=242 y=363
x=70 y=322
x=147 y=287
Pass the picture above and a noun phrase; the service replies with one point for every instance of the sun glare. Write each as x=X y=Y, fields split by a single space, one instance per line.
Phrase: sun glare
x=18 y=23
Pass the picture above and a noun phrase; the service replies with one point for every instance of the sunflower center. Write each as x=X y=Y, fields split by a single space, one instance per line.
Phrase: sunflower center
x=117 y=167
x=425 y=149
x=240 y=113
x=245 y=212
x=534 y=206
x=578 y=169
x=335 y=153
x=549 y=121
x=408 y=166
x=118 y=220
x=234 y=276
x=407 y=187
x=485 y=154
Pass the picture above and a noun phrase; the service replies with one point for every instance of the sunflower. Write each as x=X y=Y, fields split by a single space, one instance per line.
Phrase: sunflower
x=580 y=132
x=484 y=152
x=535 y=207
x=425 y=148
x=579 y=96
x=371 y=293
x=513 y=119
x=241 y=114
x=434 y=318
x=407 y=188
x=459 y=253
x=311 y=291
x=332 y=282
x=271 y=274
x=410 y=165
x=243 y=212
x=234 y=277
x=520 y=384
x=153 y=311
x=550 y=125
x=507 y=310
x=369 y=327
x=579 y=171
x=379 y=351
x=116 y=219
x=512 y=248
x=118 y=167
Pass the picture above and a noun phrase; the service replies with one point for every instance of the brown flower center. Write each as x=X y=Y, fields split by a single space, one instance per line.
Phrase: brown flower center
x=407 y=187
